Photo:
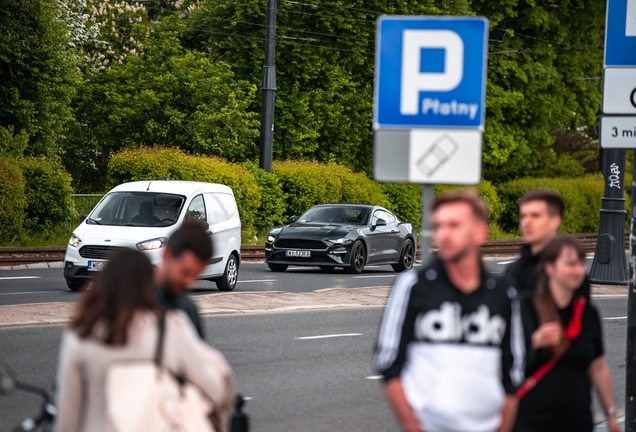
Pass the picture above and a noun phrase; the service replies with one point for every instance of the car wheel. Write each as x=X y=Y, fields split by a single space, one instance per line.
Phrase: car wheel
x=277 y=267
x=74 y=284
x=358 y=258
x=327 y=268
x=407 y=257
x=230 y=277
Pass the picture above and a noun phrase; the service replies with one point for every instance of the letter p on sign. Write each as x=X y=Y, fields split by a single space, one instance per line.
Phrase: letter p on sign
x=414 y=80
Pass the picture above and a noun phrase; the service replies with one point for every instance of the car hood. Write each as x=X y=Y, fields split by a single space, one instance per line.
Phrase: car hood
x=97 y=234
x=316 y=231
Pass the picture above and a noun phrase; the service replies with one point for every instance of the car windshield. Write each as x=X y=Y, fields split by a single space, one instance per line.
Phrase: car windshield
x=140 y=209
x=348 y=215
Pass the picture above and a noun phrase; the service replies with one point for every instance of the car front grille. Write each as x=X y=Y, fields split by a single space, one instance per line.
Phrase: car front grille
x=300 y=244
x=98 y=252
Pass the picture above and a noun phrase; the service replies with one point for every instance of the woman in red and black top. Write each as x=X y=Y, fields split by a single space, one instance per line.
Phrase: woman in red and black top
x=566 y=359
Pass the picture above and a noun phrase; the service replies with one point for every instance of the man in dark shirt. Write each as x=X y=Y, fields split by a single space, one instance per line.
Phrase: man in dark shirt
x=540 y=216
x=451 y=346
x=187 y=253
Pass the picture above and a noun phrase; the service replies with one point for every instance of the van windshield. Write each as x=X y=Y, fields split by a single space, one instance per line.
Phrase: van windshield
x=140 y=209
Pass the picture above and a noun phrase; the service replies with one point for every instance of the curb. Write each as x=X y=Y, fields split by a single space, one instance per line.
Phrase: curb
x=40 y=265
x=242 y=303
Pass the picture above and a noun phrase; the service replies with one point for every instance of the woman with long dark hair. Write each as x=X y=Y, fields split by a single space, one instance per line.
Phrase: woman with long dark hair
x=566 y=358
x=117 y=320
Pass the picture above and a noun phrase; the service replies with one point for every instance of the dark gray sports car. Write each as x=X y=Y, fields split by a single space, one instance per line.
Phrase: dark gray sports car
x=342 y=235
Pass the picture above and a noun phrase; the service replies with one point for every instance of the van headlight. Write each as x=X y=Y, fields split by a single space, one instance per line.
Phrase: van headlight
x=152 y=244
x=74 y=241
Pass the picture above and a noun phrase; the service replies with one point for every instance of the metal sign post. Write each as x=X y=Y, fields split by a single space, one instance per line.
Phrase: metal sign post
x=429 y=107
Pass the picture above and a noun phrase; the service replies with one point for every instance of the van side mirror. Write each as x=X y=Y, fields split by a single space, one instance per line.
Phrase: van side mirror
x=293 y=219
x=83 y=218
x=380 y=222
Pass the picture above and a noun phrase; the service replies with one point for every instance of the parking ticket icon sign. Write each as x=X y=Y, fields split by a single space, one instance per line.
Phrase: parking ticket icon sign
x=430 y=72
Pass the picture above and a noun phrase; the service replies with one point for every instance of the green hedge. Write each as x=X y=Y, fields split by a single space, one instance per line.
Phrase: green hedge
x=405 y=200
x=273 y=205
x=582 y=197
x=12 y=199
x=486 y=191
x=48 y=193
x=147 y=164
x=309 y=183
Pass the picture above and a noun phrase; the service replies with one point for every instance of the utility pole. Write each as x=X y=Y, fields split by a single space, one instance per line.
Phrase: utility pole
x=269 y=88
x=630 y=369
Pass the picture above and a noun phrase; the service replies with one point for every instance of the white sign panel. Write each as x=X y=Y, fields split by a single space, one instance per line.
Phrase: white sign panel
x=619 y=91
x=618 y=132
x=439 y=156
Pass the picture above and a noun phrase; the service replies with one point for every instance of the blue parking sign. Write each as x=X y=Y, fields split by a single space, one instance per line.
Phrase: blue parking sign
x=430 y=72
x=620 y=33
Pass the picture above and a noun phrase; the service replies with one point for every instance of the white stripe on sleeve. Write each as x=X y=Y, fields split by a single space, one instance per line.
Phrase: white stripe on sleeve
x=517 y=343
x=393 y=320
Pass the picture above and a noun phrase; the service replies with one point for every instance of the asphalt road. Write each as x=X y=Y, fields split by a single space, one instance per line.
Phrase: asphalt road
x=48 y=285
x=317 y=384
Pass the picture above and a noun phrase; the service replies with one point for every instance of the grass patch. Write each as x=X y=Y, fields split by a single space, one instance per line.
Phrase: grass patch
x=54 y=237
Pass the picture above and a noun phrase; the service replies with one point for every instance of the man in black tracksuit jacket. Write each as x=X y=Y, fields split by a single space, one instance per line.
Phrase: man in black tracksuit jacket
x=451 y=346
x=540 y=216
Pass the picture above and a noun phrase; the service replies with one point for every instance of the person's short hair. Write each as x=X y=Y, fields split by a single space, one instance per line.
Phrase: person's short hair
x=553 y=200
x=470 y=197
x=192 y=237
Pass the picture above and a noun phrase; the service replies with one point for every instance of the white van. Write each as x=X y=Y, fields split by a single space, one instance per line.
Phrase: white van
x=143 y=215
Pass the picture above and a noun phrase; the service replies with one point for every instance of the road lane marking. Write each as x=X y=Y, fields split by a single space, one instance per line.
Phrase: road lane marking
x=33 y=292
x=20 y=277
x=616 y=318
x=505 y=262
x=374 y=276
x=601 y=296
x=329 y=336
x=374 y=377
x=257 y=280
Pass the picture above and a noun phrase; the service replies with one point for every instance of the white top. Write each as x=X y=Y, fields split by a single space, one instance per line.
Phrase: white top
x=84 y=364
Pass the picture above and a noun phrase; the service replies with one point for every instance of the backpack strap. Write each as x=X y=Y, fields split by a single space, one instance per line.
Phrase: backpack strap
x=162 y=331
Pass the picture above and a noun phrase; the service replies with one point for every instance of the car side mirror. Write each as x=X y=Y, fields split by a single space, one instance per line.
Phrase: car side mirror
x=380 y=222
x=83 y=218
x=293 y=219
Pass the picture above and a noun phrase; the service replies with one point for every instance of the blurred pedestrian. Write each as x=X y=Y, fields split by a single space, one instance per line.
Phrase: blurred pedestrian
x=186 y=255
x=450 y=346
x=118 y=320
x=566 y=360
x=540 y=216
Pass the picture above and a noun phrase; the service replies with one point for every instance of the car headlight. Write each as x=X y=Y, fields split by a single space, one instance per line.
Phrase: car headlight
x=152 y=244
x=74 y=241
x=340 y=241
x=271 y=238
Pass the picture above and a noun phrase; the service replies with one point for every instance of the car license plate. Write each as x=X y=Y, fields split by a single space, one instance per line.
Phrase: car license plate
x=96 y=265
x=298 y=253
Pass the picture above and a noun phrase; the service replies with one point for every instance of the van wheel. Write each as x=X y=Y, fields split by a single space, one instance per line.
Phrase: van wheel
x=74 y=284
x=228 y=281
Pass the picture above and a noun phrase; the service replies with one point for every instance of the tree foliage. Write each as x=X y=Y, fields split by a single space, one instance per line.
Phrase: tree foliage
x=37 y=72
x=170 y=96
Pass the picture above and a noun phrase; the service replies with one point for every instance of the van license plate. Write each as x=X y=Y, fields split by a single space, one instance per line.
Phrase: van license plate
x=298 y=253
x=96 y=265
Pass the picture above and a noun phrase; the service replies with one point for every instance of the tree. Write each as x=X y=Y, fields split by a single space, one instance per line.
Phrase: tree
x=169 y=96
x=324 y=63
x=544 y=73
x=37 y=72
